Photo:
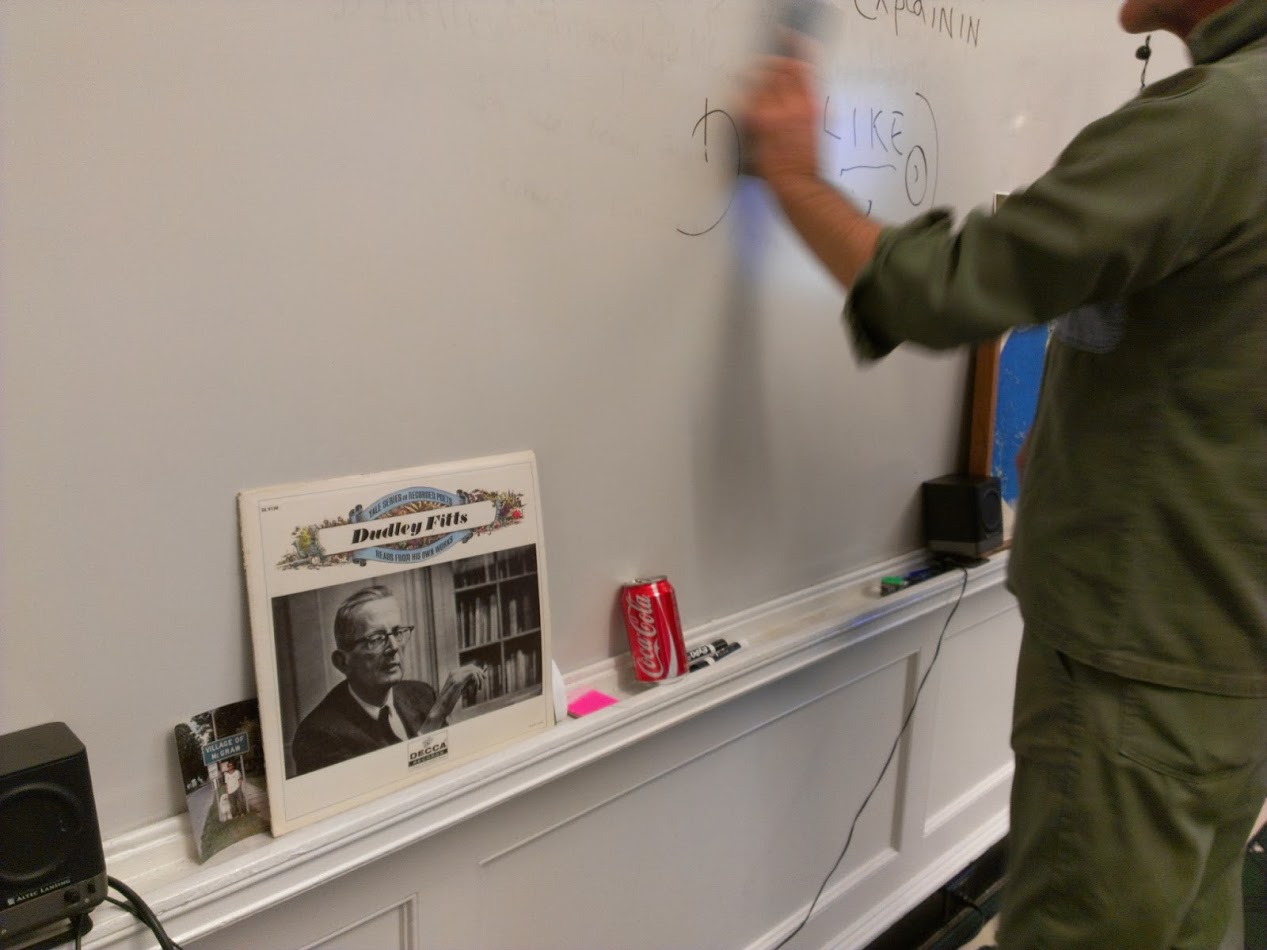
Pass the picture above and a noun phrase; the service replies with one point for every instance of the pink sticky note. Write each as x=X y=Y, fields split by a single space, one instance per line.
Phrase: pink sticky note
x=589 y=701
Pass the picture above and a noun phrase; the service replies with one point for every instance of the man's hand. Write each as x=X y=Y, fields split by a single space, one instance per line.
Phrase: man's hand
x=451 y=693
x=781 y=120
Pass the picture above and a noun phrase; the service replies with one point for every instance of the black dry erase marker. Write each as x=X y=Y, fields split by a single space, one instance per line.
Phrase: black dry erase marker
x=704 y=650
x=718 y=653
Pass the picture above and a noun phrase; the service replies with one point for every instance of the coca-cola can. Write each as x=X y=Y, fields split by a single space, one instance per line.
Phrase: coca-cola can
x=654 y=629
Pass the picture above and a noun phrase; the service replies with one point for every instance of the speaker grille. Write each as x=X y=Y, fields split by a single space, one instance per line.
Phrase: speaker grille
x=40 y=825
x=992 y=510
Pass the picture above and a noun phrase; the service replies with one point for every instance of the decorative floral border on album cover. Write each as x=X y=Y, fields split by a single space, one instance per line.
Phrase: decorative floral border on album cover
x=308 y=552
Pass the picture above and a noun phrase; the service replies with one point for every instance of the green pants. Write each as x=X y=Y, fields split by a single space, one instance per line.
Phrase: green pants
x=1131 y=807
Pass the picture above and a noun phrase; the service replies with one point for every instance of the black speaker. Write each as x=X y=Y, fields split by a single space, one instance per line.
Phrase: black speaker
x=963 y=514
x=51 y=864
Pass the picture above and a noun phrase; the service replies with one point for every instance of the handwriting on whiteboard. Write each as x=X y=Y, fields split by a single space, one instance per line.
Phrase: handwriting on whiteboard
x=908 y=16
x=731 y=148
x=880 y=153
x=885 y=140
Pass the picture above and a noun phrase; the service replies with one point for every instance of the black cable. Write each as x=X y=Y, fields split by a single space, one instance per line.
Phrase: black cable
x=1145 y=53
x=79 y=925
x=971 y=904
x=142 y=912
x=910 y=714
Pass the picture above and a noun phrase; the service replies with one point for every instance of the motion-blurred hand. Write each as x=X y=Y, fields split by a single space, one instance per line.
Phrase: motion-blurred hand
x=780 y=118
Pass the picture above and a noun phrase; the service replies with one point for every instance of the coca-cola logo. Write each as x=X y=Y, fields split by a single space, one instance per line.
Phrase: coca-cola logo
x=640 y=618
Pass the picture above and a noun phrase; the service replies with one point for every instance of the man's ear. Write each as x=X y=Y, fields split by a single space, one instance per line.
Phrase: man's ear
x=340 y=661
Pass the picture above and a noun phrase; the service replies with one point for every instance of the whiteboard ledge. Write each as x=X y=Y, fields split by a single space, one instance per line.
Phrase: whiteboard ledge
x=780 y=637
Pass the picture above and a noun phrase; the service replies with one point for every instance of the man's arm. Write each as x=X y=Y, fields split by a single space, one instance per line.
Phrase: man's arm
x=1105 y=222
x=781 y=120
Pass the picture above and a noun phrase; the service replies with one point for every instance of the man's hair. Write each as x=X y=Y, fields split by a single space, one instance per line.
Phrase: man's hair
x=345 y=630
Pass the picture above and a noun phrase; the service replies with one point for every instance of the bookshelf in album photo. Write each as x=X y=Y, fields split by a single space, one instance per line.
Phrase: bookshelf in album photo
x=497 y=624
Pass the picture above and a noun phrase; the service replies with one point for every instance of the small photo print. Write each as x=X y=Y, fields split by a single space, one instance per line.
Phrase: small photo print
x=221 y=758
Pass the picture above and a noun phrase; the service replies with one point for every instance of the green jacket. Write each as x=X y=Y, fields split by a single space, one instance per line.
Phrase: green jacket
x=1141 y=537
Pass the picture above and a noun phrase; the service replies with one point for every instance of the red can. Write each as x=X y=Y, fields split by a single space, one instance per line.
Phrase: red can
x=654 y=628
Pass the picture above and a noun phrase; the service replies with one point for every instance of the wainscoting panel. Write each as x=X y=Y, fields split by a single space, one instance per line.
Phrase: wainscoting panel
x=972 y=717
x=393 y=927
x=723 y=842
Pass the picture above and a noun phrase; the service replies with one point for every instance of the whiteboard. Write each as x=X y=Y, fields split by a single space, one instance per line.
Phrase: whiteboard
x=265 y=241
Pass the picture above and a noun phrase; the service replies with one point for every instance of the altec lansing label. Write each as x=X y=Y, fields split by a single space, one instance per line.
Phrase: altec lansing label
x=38 y=892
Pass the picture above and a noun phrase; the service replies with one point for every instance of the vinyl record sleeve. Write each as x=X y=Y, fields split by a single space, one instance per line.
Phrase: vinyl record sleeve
x=400 y=627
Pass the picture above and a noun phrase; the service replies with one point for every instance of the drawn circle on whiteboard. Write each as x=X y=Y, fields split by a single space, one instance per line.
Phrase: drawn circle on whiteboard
x=936 y=144
x=702 y=122
x=917 y=176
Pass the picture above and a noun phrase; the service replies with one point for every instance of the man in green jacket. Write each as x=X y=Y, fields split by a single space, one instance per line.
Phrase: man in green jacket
x=1140 y=553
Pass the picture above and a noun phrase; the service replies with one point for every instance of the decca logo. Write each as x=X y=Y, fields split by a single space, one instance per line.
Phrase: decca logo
x=640 y=616
x=427 y=748
x=427 y=753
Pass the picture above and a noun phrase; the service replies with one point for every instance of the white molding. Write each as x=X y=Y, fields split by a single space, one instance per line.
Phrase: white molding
x=901 y=900
x=999 y=777
x=880 y=916
x=409 y=906
x=781 y=637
